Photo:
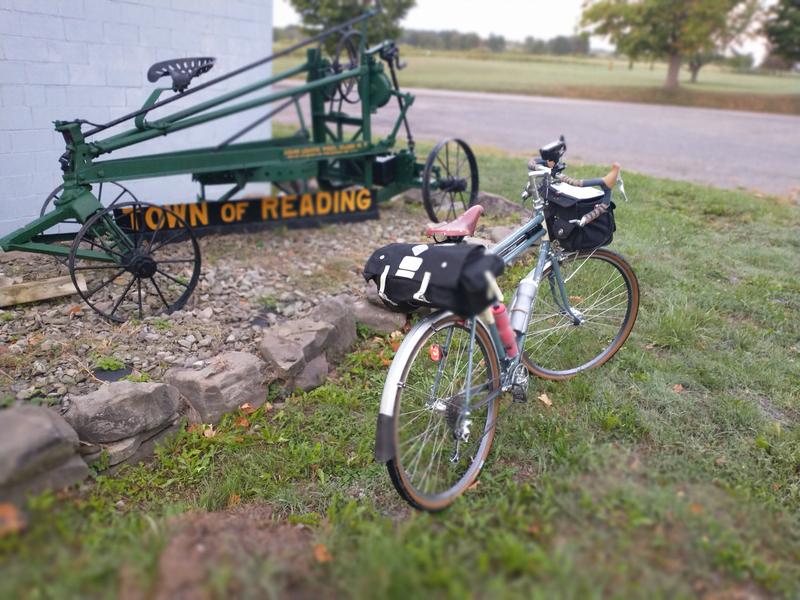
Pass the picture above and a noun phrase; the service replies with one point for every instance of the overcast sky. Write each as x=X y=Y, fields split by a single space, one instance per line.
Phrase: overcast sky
x=514 y=19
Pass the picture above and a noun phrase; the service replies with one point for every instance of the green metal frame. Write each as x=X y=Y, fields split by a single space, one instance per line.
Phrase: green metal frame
x=328 y=153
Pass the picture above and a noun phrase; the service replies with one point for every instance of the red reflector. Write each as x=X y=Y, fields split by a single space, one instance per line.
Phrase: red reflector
x=435 y=352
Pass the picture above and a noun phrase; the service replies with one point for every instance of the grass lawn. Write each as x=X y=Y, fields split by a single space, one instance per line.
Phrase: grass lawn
x=672 y=471
x=594 y=78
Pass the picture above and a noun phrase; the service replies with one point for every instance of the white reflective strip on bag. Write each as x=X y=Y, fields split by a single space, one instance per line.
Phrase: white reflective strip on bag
x=381 y=290
x=420 y=295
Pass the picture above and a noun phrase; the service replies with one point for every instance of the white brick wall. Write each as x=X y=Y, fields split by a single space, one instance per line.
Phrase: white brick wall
x=65 y=59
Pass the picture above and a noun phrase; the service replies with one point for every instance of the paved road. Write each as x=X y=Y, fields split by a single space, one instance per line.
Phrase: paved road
x=724 y=148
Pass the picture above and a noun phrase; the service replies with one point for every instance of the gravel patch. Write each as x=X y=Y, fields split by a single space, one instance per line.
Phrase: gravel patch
x=249 y=282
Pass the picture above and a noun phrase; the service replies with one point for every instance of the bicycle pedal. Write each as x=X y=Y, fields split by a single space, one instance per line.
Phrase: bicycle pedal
x=519 y=394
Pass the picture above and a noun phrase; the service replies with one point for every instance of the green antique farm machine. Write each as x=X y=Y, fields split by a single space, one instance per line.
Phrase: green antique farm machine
x=128 y=258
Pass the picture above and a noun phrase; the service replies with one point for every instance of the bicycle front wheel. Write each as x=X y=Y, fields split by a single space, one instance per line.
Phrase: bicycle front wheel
x=603 y=293
x=440 y=445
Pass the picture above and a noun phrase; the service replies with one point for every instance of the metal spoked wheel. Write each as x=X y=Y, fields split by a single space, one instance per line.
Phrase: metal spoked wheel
x=114 y=192
x=108 y=194
x=450 y=180
x=346 y=58
x=604 y=293
x=140 y=261
x=440 y=449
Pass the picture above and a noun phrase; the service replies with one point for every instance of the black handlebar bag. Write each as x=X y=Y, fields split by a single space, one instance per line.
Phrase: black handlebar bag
x=447 y=276
x=562 y=208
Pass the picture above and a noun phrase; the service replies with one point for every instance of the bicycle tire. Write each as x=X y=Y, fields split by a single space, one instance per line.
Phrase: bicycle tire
x=604 y=288
x=456 y=476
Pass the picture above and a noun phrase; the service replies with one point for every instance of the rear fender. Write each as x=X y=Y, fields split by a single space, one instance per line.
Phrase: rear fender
x=384 y=438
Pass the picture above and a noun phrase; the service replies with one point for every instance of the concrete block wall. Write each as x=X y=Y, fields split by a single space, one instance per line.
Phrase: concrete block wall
x=65 y=59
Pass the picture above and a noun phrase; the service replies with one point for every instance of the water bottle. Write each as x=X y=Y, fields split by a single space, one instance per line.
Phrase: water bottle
x=504 y=329
x=522 y=305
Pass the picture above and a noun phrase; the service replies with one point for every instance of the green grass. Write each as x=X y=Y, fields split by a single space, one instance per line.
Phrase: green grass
x=593 y=78
x=628 y=486
x=108 y=363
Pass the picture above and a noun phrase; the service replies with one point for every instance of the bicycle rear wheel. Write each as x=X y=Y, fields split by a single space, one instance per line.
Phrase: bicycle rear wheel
x=439 y=447
x=603 y=291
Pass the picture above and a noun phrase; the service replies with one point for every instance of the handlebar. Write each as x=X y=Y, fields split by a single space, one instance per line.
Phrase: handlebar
x=539 y=167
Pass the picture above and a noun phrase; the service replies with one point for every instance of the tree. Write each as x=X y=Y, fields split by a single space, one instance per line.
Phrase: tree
x=496 y=43
x=668 y=29
x=318 y=15
x=782 y=29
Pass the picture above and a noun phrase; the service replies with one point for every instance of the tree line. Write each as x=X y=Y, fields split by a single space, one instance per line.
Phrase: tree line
x=456 y=40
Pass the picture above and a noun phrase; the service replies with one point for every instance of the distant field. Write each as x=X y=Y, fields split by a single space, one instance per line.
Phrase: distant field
x=594 y=78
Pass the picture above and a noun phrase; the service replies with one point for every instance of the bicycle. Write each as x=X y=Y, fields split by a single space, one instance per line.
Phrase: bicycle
x=440 y=400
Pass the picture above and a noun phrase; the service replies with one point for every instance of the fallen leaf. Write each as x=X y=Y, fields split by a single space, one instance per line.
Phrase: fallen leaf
x=395 y=344
x=534 y=529
x=209 y=431
x=576 y=299
x=321 y=554
x=234 y=499
x=545 y=399
x=242 y=422
x=194 y=427
x=385 y=362
x=650 y=346
x=247 y=408
x=677 y=388
x=696 y=508
x=268 y=406
x=720 y=461
x=11 y=520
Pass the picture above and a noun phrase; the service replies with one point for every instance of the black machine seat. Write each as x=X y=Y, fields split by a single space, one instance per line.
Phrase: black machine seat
x=182 y=70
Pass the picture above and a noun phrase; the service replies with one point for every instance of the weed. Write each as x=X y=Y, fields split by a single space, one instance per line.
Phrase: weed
x=108 y=363
x=269 y=302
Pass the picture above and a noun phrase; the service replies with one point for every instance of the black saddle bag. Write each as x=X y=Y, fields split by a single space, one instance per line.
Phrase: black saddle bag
x=563 y=208
x=446 y=276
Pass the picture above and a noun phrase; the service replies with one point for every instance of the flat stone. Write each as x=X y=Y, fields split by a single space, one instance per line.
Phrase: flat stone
x=498 y=206
x=228 y=381
x=285 y=358
x=314 y=374
x=312 y=335
x=123 y=409
x=377 y=318
x=499 y=232
x=338 y=311
x=71 y=471
x=37 y=448
x=371 y=294
x=134 y=449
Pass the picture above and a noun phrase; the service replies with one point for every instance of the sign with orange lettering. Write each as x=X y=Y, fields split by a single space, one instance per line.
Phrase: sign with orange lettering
x=301 y=210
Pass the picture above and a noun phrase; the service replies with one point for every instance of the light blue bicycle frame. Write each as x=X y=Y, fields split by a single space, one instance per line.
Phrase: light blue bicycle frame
x=510 y=249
